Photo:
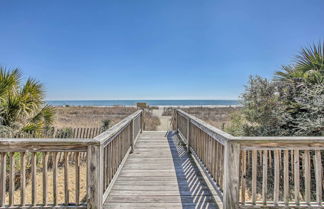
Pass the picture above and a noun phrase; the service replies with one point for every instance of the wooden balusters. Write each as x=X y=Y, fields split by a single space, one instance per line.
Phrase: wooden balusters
x=28 y=172
x=3 y=178
x=77 y=178
x=114 y=159
x=220 y=164
x=254 y=176
x=188 y=134
x=39 y=164
x=286 y=166
x=66 y=179
x=307 y=176
x=115 y=151
x=142 y=124
x=109 y=162
x=45 y=165
x=318 y=176
x=183 y=125
x=23 y=179
x=265 y=177
x=132 y=135
x=104 y=169
x=243 y=176
x=212 y=156
x=55 y=167
x=216 y=164
x=286 y=177
x=276 y=177
x=296 y=176
x=137 y=126
x=12 y=179
x=208 y=150
x=34 y=170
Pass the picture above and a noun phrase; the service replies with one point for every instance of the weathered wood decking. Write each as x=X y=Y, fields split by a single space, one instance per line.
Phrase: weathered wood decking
x=160 y=174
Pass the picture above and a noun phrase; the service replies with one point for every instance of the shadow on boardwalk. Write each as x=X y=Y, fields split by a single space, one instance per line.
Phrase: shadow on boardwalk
x=193 y=189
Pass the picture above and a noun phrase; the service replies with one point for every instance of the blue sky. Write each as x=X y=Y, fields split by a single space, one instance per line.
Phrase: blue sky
x=154 y=49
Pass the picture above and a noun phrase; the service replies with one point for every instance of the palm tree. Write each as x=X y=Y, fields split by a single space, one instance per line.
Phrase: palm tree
x=309 y=66
x=22 y=107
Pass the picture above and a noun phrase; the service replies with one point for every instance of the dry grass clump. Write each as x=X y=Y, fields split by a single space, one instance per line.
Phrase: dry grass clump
x=151 y=122
x=79 y=117
x=168 y=111
x=93 y=117
x=216 y=116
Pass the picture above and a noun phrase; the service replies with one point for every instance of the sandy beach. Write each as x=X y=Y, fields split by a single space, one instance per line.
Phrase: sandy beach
x=157 y=117
x=164 y=120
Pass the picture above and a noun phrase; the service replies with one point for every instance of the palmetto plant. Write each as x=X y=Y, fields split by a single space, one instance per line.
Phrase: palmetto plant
x=105 y=124
x=22 y=108
x=309 y=66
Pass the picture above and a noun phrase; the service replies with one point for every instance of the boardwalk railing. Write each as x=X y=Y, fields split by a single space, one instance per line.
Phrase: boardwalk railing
x=257 y=172
x=107 y=157
x=33 y=158
x=42 y=162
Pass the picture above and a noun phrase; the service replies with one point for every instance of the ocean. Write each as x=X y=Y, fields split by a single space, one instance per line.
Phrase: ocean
x=149 y=102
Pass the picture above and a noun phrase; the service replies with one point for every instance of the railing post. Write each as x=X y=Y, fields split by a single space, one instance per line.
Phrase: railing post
x=142 y=121
x=176 y=121
x=231 y=175
x=188 y=135
x=132 y=136
x=95 y=177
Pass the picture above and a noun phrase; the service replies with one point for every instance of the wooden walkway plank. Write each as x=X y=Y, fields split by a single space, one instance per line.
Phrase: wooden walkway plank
x=160 y=174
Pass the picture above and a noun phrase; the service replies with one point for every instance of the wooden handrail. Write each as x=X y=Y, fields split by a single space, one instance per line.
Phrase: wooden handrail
x=236 y=165
x=75 y=133
x=215 y=133
x=13 y=142
x=212 y=131
x=107 y=158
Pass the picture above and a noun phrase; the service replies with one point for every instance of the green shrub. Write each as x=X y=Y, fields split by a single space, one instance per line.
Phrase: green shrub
x=290 y=104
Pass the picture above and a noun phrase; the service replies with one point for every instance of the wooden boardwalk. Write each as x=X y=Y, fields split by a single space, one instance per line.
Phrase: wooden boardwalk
x=232 y=172
x=160 y=174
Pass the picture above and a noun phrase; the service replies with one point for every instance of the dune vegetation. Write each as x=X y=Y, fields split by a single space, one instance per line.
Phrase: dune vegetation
x=290 y=104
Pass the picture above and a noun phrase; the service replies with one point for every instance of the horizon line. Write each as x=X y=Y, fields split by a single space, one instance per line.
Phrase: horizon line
x=131 y=99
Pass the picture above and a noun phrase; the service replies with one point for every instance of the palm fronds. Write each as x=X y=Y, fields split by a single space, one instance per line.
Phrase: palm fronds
x=21 y=106
x=9 y=80
x=309 y=66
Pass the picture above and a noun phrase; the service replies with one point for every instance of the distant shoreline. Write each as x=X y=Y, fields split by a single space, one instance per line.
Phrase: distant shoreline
x=159 y=106
x=132 y=103
x=210 y=106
